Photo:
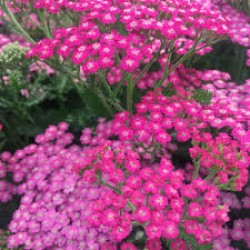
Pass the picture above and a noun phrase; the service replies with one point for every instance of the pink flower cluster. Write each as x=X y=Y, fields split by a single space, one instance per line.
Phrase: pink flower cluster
x=240 y=23
x=230 y=102
x=155 y=196
x=238 y=207
x=240 y=229
x=231 y=200
x=98 y=41
x=222 y=153
x=55 y=201
x=7 y=190
x=158 y=115
x=234 y=202
x=223 y=242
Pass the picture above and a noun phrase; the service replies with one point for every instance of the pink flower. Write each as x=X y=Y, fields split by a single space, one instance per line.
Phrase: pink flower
x=158 y=201
x=79 y=56
x=163 y=137
x=174 y=216
x=223 y=177
x=188 y=191
x=108 y=246
x=108 y=18
x=90 y=67
x=142 y=214
x=150 y=187
x=153 y=231
x=171 y=192
x=195 y=210
x=191 y=226
x=153 y=244
x=132 y=165
x=110 y=218
x=128 y=246
x=134 y=181
x=129 y=64
x=178 y=244
x=106 y=62
x=120 y=232
x=125 y=134
x=170 y=230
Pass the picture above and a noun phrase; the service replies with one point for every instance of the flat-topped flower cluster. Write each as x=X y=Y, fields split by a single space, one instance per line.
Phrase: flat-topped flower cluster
x=128 y=34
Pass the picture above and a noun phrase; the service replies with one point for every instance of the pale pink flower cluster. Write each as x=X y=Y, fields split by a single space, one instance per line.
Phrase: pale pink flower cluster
x=55 y=201
x=240 y=24
x=241 y=230
x=223 y=242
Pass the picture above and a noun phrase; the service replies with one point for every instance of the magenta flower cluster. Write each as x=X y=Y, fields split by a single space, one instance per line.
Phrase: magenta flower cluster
x=154 y=196
x=153 y=132
x=98 y=41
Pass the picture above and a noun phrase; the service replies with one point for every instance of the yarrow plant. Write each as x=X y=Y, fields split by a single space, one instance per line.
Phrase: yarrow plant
x=123 y=185
x=141 y=185
x=120 y=36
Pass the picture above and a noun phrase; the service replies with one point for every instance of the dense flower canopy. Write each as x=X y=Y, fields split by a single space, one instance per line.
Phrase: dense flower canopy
x=124 y=179
x=128 y=33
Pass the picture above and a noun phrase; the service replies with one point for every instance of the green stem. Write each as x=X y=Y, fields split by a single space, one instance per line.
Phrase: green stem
x=131 y=206
x=130 y=95
x=144 y=70
x=119 y=85
x=148 y=65
x=104 y=101
x=196 y=169
x=104 y=183
x=211 y=175
x=38 y=25
x=45 y=26
x=111 y=93
x=67 y=72
x=226 y=186
x=19 y=27
x=168 y=71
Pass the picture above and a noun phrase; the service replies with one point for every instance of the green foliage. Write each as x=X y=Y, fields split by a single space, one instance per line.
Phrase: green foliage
x=169 y=90
x=202 y=96
x=190 y=240
x=12 y=54
x=30 y=101
x=120 y=27
x=227 y=57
